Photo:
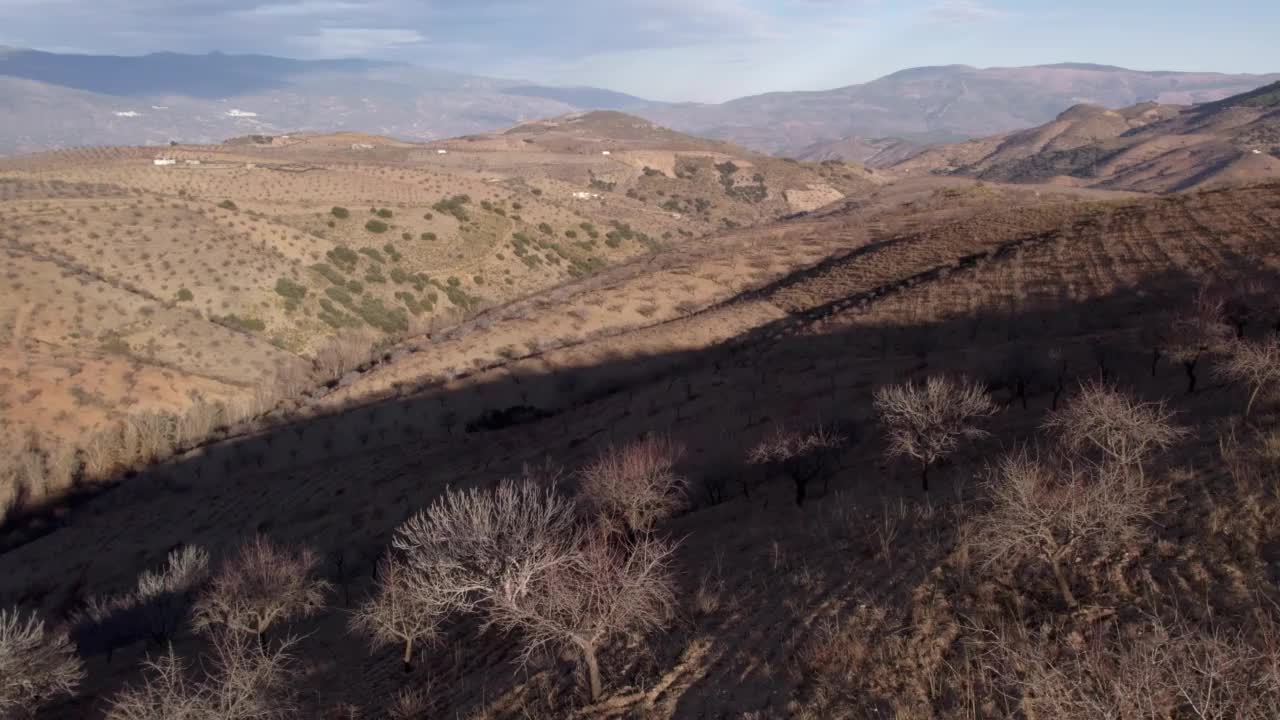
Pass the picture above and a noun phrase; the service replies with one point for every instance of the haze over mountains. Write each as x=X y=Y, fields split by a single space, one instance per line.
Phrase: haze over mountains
x=53 y=100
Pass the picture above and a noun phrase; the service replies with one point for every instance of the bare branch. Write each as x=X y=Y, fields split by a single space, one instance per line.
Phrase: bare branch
x=636 y=485
x=36 y=664
x=262 y=585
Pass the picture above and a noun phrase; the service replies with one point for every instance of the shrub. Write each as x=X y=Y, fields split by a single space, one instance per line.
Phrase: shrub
x=185 y=295
x=546 y=229
x=289 y=289
x=328 y=273
x=340 y=212
x=228 y=205
x=385 y=213
x=243 y=324
x=372 y=254
x=428 y=236
x=344 y=257
x=376 y=226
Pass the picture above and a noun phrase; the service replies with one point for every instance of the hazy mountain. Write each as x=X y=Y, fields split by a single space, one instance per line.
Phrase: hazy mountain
x=53 y=100
x=1148 y=147
x=937 y=104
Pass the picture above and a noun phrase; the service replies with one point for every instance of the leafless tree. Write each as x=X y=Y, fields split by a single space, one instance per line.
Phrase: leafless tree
x=472 y=541
x=262 y=585
x=600 y=590
x=517 y=557
x=1256 y=363
x=242 y=680
x=805 y=455
x=635 y=485
x=1197 y=331
x=36 y=664
x=166 y=593
x=926 y=422
x=1112 y=428
x=1051 y=513
x=406 y=608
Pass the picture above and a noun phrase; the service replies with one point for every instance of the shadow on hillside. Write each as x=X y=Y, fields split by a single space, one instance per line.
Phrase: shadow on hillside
x=342 y=482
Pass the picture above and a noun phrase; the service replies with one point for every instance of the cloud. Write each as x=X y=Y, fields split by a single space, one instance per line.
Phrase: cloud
x=953 y=12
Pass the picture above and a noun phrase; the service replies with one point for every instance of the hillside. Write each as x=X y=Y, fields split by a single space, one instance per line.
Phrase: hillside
x=869 y=594
x=1146 y=147
x=205 y=292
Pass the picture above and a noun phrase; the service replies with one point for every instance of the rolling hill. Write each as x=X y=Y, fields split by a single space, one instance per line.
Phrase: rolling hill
x=1147 y=147
x=216 y=280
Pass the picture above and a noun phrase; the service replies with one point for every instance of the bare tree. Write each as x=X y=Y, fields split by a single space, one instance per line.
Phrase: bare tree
x=635 y=485
x=1047 y=514
x=1112 y=428
x=927 y=422
x=803 y=454
x=262 y=585
x=166 y=593
x=406 y=608
x=1256 y=363
x=1197 y=331
x=473 y=541
x=516 y=556
x=36 y=664
x=601 y=589
x=242 y=680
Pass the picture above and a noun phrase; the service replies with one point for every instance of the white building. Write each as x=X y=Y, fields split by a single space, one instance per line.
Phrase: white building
x=127 y=113
x=442 y=151
x=605 y=152
x=160 y=161
x=581 y=195
x=241 y=113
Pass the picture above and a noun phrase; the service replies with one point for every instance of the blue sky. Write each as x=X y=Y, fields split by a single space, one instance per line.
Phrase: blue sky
x=707 y=50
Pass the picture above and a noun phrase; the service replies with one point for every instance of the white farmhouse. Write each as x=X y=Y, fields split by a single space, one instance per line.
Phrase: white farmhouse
x=162 y=161
x=442 y=151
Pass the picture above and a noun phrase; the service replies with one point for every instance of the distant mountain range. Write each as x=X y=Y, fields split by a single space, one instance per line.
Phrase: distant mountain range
x=50 y=100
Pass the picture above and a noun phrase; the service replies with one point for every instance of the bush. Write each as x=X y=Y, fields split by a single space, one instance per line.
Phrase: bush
x=340 y=212
x=228 y=205
x=376 y=226
x=184 y=295
x=428 y=236
x=328 y=273
x=546 y=229
x=243 y=324
x=289 y=289
x=385 y=213
x=344 y=257
x=372 y=254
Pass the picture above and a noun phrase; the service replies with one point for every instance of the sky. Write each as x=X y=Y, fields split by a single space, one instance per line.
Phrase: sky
x=675 y=50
